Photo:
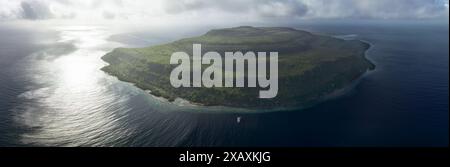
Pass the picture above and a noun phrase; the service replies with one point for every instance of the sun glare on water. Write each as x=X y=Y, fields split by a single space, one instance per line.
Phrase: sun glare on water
x=73 y=94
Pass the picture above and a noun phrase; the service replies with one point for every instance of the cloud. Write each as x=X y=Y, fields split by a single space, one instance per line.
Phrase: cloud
x=108 y=15
x=263 y=8
x=377 y=9
x=289 y=8
x=35 y=10
x=230 y=9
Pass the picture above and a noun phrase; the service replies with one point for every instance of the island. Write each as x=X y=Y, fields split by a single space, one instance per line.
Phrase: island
x=310 y=67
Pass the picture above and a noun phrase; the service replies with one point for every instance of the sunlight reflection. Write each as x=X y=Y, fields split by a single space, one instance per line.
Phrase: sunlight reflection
x=76 y=69
x=75 y=103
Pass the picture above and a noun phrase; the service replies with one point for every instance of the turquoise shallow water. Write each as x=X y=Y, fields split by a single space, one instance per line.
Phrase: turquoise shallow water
x=52 y=93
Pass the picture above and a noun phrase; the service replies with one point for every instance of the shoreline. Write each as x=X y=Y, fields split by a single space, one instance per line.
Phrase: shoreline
x=182 y=102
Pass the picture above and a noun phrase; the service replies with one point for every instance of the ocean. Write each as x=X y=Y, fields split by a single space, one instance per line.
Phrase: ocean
x=53 y=93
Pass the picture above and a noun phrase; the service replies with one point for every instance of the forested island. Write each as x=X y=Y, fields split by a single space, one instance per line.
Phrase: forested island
x=310 y=66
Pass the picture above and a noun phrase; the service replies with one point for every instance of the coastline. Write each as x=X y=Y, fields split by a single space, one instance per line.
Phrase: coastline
x=179 y=101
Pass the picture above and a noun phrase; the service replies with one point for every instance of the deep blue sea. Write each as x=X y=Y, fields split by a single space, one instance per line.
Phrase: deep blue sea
x=53 y=93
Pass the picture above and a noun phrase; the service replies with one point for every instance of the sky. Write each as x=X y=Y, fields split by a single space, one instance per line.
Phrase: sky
x=162 y=11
